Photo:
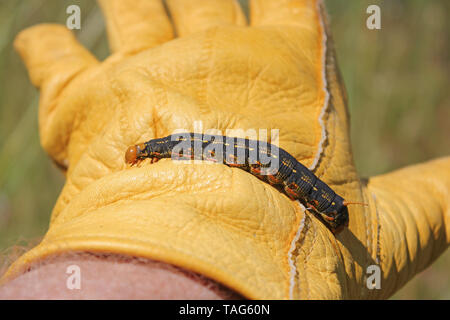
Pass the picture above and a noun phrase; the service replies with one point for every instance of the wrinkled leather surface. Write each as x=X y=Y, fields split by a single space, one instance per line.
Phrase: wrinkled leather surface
x=277 y=73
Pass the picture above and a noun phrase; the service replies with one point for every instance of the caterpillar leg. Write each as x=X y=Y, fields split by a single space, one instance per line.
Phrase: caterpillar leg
x=135 y=163
x=255 y=169
x=189 y=155
x=211 y=156
x=181 y=156
x=231 y=161
x=312 y=205
x=273 y=180
x=154 y=160
x=290 y=191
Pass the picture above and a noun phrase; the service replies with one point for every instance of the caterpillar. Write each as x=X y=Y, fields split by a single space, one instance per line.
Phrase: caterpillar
x=264 y=160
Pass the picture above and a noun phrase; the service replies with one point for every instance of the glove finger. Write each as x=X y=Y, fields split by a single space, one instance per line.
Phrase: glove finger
x=54 y=60
x=51 y=52
x=134 y=25
x=413 y=218
x=284 y=12
x=193 y=16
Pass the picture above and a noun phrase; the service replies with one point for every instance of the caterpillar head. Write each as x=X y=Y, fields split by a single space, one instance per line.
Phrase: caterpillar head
x=135 y=153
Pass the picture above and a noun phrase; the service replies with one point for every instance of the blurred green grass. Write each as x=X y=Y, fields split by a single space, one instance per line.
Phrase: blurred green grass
x=397 y=80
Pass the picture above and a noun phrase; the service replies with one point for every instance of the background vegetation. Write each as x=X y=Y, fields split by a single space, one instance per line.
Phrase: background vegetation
x=397 y=78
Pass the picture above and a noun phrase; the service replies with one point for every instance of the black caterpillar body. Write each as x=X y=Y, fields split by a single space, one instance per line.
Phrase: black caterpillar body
x=266 y=161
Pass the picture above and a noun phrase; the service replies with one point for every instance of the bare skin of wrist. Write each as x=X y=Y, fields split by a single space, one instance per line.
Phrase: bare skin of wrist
x=112 y=277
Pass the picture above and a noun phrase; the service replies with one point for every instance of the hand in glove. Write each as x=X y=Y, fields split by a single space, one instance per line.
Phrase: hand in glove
x=277 y=73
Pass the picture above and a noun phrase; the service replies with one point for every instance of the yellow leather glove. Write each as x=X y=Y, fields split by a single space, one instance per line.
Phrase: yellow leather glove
x=222 y=222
